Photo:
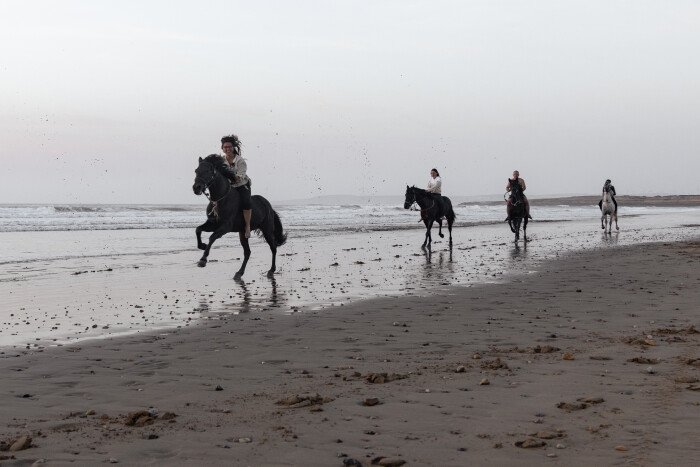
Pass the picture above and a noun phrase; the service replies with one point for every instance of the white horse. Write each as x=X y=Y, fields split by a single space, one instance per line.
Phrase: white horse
x=609 y=212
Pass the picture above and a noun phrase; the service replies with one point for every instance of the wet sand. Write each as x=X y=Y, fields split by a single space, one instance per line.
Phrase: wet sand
x=594 y=360
x=96 y=290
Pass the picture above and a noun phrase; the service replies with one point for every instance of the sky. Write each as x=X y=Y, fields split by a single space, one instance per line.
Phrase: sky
x=114 y=101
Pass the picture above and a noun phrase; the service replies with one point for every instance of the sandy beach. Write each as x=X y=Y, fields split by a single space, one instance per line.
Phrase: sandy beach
x=591 y=361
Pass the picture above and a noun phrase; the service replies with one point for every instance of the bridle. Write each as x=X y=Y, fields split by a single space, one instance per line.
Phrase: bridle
x=516 y=195
x=423 y=211
x=214 y=203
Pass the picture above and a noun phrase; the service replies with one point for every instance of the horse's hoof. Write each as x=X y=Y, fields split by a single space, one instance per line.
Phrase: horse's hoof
x=201 y=263
x=202 y=246
x=441 y=235
x=617 y=228
x=270 y=274
x=237 y=276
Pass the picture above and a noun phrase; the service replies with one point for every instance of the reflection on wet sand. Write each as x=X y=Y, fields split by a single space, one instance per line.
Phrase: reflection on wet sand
x=518 y=252
x=611 y=238
x=332 y=271
x=438 y=269
x=247 y=299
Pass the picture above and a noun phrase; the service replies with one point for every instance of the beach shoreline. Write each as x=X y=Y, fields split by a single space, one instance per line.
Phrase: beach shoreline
x=78 y=285
x=599 y=309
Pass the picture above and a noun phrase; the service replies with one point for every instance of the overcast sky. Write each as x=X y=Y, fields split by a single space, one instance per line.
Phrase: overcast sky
x=113 y=101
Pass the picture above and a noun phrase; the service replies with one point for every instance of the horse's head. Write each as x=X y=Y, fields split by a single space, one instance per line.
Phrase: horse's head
x=410 y=197
x=516 y=191
x=204 y=175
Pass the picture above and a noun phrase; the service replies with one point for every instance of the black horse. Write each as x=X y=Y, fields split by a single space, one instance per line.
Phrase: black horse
x=517 y=210
x=224 y=214
x=430 y=211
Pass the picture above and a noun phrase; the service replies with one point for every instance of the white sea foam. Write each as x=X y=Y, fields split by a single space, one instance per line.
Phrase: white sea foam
x=33 y=218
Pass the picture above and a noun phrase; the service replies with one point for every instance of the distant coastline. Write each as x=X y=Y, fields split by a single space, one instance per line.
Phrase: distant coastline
x=635 y=201
x=492 y=200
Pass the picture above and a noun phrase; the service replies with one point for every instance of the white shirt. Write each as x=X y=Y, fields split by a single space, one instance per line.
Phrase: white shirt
x=239 y=166
x=434 y=185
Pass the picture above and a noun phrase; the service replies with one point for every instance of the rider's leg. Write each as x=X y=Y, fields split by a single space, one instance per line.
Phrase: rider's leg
x=441 y=207
x=244 y=191
x=246 y=218
x=527 y=206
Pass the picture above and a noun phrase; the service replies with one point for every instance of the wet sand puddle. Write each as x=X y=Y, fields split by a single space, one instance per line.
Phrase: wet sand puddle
x=66 y=300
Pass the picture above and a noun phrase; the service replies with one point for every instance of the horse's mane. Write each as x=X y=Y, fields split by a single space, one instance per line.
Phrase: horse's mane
x=420 y=190
x=217 y=161
x=514 y=185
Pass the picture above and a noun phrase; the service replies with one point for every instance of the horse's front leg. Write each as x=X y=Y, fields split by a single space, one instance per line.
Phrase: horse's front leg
x=218 y=233
x=442 y=235
x=525 y=231
x=616 y=226
x=246 y=255
x=428 y=237
x=208 y=226
x=602 y=221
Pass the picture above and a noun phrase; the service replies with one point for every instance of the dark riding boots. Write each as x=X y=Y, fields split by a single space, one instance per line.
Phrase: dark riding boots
x=437 y=197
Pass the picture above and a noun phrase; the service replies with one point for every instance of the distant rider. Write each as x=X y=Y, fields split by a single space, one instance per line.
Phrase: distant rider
x=520 y=181
x=435 y=189
x=608 y=187
x=231 y=146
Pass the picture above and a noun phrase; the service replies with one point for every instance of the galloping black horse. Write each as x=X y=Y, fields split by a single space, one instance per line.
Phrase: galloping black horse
x=430 y=211
x=517 y=210
x=224 y=214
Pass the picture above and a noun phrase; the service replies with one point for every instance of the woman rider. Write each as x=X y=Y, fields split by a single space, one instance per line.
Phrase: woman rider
x=231 y=146
x=435 y=188
x=520 y=181
x=608 y=187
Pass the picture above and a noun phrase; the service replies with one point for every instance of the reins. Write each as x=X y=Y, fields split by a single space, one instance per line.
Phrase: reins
x=214 y=203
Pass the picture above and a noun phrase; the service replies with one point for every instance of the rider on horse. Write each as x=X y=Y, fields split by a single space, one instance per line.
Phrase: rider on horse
x=520 y=181
x=231 y=146
x=435 y=189
x=611 y=189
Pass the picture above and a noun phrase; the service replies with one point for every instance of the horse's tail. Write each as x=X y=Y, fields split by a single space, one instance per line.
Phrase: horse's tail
x=280 y=234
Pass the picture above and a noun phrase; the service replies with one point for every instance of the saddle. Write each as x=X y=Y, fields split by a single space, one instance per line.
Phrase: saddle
x=437 y=199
